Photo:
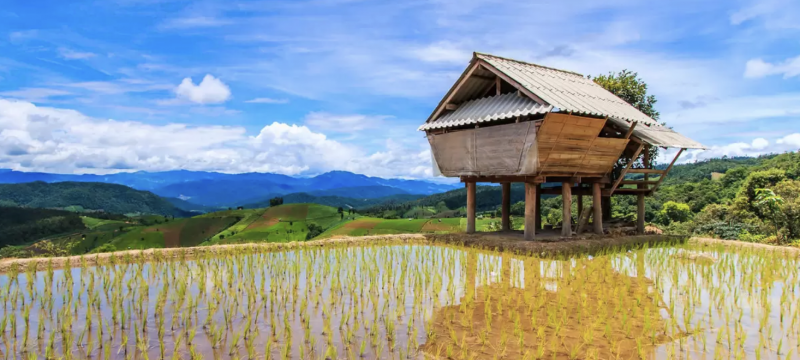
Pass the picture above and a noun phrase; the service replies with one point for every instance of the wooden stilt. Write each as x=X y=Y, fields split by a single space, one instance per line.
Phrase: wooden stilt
x=598 y=209
x=538 y=206
x=566 y=222
x=470 y=207
x=580 y=202
x=530 y=211
x=506 y=206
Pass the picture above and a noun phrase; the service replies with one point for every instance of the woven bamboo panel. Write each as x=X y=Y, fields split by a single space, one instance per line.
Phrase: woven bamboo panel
x=570 y=144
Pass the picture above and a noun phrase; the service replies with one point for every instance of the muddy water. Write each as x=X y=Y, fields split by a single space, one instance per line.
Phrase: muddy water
x=396 y=302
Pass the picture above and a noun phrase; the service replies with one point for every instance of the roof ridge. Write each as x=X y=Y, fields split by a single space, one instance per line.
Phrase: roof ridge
x=476 y=53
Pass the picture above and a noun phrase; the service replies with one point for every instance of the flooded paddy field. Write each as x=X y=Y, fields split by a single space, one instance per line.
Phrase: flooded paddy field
x=409 y=301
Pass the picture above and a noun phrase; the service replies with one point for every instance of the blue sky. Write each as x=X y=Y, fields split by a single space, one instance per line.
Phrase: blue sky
x=303 y=87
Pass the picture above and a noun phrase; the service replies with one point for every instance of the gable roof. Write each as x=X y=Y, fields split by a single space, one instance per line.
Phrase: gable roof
x=488 y=109
x=567 y=91
x=553 y=89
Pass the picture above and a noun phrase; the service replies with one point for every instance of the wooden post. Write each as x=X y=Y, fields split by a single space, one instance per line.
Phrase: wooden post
x=606 y=204
x=538 y=206
x=471 y=207
x=506 y=206
x=597 y=204
x=530 y=211
x=640 y=214
x=580 y=200
x=566 y=222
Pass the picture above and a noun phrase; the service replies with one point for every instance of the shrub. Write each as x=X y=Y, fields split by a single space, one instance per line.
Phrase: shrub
x=15 y=252
x=673 y=212
x=107 y=247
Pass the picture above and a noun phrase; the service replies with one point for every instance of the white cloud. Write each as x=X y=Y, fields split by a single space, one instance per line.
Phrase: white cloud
x=209 y=91
x=70 y=54
x=34 y=138
x=34 y=94
x=758 y=68
x=20 y=36
x=790 y=140
x=343 y=123
x=267 y=101
x=443 y=51
x=758 y=146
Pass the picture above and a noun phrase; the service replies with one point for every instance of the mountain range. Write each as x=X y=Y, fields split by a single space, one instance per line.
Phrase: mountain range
x=215 y=189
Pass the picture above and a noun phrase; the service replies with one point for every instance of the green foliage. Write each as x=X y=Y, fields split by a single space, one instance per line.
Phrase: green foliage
x=107 y=247
x=101 y=197
x=276 y=201
x=673 y=212
x=22 y=225
x=313 y=231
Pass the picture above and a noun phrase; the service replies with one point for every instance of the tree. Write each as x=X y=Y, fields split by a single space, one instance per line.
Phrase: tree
x=630 y=88
x=769 y=203
x=673 y=212
x=276 y=201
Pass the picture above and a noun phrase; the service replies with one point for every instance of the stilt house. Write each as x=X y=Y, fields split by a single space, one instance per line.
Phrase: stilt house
x=507 y=121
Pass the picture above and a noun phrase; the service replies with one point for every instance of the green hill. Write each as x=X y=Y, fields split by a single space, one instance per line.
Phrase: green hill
x=83 y=196
x=22 y=225
x=287 y=222
x=337 y=201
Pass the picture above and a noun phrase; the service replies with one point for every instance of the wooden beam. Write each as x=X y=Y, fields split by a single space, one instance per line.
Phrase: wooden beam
x=566 y=221
x=664 y=174
x=558 y=190
x=506 y=206
x=646 y=171
x=451 y=106
x=637 y=182
x=498 y=84
x=530 y=211
x=464 y=76
x=470 y=207
x=513 y=83
x=630 y=131
x=627 y=168
x=597 y=220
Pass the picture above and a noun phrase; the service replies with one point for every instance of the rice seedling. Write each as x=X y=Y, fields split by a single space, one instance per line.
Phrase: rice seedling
x=390 y=301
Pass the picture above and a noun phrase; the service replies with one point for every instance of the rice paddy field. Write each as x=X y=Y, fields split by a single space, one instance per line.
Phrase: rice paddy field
x=408 y=301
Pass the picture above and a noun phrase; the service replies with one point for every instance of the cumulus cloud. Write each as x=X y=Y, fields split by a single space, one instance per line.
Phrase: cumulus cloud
x=209 y=91
x=758 y=146
x=343 y=123
x=758 y=68
x=35 y=138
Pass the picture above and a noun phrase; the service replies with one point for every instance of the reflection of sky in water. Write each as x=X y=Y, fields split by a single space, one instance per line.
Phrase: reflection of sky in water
x=688 y=284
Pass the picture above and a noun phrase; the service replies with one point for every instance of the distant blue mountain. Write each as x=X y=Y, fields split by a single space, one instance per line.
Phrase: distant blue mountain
x=218 y=189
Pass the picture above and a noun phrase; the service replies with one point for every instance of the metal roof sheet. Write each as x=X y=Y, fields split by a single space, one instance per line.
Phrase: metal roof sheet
x=488 y=109
x=567 y=91
x=659 y=135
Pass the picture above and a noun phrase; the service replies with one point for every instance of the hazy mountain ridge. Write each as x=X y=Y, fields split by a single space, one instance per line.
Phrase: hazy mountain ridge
x=224 y=190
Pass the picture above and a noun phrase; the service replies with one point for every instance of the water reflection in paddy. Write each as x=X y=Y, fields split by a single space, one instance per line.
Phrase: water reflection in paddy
x=402 y=301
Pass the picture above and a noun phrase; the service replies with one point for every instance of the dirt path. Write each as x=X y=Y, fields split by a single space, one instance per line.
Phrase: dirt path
x=479 y=241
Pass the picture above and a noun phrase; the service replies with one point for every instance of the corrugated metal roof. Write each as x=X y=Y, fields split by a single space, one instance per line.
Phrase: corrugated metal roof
x=488 y=109
x=659 y=135
x=567 y=91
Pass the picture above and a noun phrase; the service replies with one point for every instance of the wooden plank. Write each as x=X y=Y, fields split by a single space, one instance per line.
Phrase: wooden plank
x=664 y=174
x=637 y=182
x=627 y=168
x=640 y=214
x=646 y=171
